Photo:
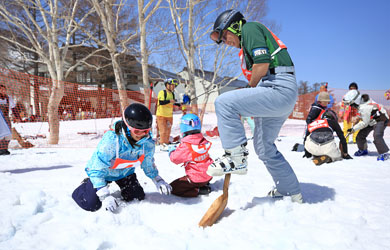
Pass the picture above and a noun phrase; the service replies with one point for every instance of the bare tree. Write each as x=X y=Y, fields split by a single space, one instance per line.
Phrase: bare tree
x=142 y=20
x=193 y=21
x=113 y=16
x=47 y=37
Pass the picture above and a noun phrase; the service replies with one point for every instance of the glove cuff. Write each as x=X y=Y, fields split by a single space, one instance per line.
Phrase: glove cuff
x=103 y=193
x=156 y=179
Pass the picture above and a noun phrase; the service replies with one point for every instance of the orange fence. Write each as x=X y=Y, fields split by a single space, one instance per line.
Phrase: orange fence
x=85 y=102
x=31 y=94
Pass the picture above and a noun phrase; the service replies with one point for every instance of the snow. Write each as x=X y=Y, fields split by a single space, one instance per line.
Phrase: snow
x=347 y=202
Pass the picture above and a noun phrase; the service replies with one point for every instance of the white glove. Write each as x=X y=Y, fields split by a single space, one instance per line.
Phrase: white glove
x=108 y=201
x=162 y=186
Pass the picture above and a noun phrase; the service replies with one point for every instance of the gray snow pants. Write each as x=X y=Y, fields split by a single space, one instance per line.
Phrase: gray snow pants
x=5 y=141
x=379 y=142
x=270 y=103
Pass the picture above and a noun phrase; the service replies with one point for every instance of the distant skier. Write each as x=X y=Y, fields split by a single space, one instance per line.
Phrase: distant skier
x=324 y=88
x=387 y=95
x=373 y=117
x=119 y=152
x=270 y=71
x=193 y=153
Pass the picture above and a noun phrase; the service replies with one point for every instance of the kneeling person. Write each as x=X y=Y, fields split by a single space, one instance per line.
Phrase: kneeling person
x=321 y=143
x=115 y=159
x=192 y=152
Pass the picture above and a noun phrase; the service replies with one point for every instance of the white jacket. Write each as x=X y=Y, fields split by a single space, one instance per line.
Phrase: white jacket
x=366 y=110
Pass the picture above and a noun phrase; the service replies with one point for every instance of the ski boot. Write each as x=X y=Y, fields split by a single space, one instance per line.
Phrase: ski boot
x=361 y=152
x=274 y=193
x=383 y=157
x=234 y=161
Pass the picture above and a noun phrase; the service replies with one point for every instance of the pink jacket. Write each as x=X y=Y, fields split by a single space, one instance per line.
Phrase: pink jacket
x=184 y=153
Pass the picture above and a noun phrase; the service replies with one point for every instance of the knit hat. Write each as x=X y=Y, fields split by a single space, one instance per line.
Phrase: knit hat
x=323 y=97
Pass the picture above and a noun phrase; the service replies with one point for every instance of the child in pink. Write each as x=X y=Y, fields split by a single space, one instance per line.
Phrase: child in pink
x=192 y=152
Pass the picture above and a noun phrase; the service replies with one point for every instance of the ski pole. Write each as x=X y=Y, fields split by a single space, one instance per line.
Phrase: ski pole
x=207 y=92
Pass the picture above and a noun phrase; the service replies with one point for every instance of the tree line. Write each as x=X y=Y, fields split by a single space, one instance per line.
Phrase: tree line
x=171 y=33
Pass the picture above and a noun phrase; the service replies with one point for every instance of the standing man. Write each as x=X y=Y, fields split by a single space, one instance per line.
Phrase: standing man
x=267 y=66
x=164 y=113
x=6 y=104
x=349 y=114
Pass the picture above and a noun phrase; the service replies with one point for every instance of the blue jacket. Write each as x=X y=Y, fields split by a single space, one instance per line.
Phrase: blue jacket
x=98 y=167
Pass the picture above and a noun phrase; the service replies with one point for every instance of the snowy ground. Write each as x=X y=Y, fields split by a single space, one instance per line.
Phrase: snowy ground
x=347 y=202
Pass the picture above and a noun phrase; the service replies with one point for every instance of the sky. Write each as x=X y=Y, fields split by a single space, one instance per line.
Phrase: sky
x=346 y=202
x=336 y=41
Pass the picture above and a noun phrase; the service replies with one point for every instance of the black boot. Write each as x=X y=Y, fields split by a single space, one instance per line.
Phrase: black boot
x=4 y=152
x=205 y=190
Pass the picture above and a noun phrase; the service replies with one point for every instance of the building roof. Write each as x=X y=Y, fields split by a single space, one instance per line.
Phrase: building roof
x=223 y=81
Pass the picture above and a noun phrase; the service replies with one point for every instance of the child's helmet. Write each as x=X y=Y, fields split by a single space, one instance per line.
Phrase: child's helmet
x=190 y=123
x=138 y=116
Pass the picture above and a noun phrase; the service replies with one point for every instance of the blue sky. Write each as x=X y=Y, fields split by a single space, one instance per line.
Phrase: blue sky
x=336 y=41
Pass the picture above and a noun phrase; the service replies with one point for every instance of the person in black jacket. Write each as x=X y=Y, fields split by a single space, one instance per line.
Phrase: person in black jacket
x=321 y=143
x=316 y=109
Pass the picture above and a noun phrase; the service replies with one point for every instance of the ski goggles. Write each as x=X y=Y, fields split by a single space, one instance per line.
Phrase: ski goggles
x=220 y=35
x=192 y=123
x=137 y=131
x=171 y=81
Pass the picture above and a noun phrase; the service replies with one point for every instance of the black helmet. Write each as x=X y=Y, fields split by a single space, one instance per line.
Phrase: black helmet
x=138 y=116
x=224 y=20
x=329 y=115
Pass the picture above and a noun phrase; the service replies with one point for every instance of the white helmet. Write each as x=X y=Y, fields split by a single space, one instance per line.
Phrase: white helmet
x=351 y=97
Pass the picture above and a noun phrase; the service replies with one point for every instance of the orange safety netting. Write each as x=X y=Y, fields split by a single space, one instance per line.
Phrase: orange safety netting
x=31 y=95
x=82 y=102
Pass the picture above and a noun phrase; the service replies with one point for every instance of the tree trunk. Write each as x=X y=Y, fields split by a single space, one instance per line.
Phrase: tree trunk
x=120 y=83
x=57 y=92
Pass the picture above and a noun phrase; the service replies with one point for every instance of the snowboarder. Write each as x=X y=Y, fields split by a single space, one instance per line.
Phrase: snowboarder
x=321 y=143
x=115 y=159
x=193 y=153
x=373 y=117
x=268 y=67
